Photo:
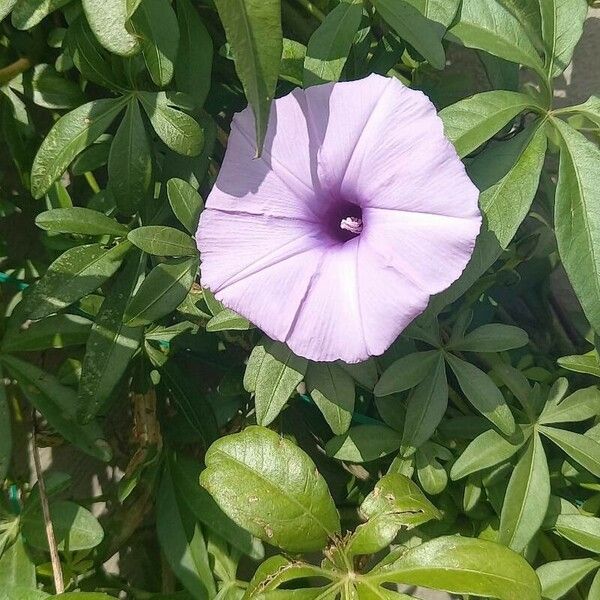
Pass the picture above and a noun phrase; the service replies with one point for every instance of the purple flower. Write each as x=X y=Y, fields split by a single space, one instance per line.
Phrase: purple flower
x=357 y=212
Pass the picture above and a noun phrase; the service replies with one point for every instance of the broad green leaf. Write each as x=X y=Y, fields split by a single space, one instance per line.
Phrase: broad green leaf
x=527 y=13
x=527 y=497
x=432 y=475
x=163 y=290
x=486 y=450
x=280 y=373
x=492 y=337
x=482 y=393
x=329 y=45
x=155 y=25
x=182 y=541
x=16 y=568
x=58 y=405
x=22 y=593
x=292 y=62
x=58 y=331
x=75 y=527
x=253 y=29
x=562 y=26
x=270 y=487
x=255 y=361
x=472 y=121
x=130 y=161
x=5 y=7
x=49 y=89
x=427 y=404
x=111 y=343
x=28 y=13
x=193 y=406
x=579 y=447
x=73 y=275
x=194 y=59
x=364 y=373
x=585 y=363
x=176 y=129
x=464 y=566
x=421 y=33
x=579 y=406
x=228 y=320
x=558 y=577
x=185 y=474
x=491 y=27
x=80 y=221
x=186 y=202
x=582 y=530
x=442 y=11
x=506 y=203
x=575 y=216
x=107 y=19
x=163 y=241
x=5 y=431
x=68 y=137
x=332 y=390
x=364 y=443
x=595 y=588
x=406 y=372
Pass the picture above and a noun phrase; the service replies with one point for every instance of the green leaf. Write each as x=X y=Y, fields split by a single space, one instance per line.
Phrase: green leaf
x=595 y=588
x=280 y=373
x=28 y=13
x=472 y=121
x=585 y=363
x=575 y=216
x=492 y=337
x=590 y=109
x=83 y=596
x=228 y=320
x=58 y=404
x=464 y=566
x=562 y=26
x=5 y=431
x=486 y=450
x=49 y=89
x=130 y=161
x=506 y=203
x=253 y=29
x=58 y=331
x=482 y=393
x=186 y=203
x=75 y=527
x=583 y=404
x=16 y=568
x=527 y=497
x=194 y=59
x=108 y=19
x=111 y=343
x=182 y=542
x=432 y=475
x=427 y=404
x=579 y=447
x=176 y=129
x=442 y=11
x=364 y=443
x=5 y=7
x=185 y=474
x=155 y=24
x=79 y=220
x=329 y=45
x=582 y=530
x=560 y=576
x=292 y=62
x=73 y=275
x=68 y=137
x=92 y=158
x=22 y=593
x=491 y=27
x=270 y=487
x=421 y=33
x=406 y=372
x=163 y=241
x=163 y=290
x=332 y=390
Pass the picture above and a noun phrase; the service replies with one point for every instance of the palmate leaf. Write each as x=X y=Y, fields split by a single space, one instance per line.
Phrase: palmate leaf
x=286 y=501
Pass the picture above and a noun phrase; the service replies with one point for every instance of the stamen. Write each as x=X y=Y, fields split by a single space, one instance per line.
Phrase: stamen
x=352 y=224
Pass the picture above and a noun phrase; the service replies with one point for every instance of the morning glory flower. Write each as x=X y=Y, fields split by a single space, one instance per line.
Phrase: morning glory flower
x=358 y=210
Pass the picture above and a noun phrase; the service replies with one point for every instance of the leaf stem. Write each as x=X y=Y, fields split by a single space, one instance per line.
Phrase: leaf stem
x=59 y=584
x=89 y=177
x=9 y=72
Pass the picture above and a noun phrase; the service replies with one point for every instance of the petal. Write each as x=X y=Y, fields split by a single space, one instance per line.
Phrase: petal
x=429 y=250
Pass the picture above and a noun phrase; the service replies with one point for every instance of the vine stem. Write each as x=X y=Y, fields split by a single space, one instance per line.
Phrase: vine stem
x=11 y=71
x=59 y=583
x=312 y=9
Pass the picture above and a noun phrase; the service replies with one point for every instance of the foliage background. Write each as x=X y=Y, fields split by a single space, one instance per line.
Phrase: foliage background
x=114 y=120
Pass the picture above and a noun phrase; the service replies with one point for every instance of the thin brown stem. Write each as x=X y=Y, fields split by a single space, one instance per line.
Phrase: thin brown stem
x=59 y=583
x=11 y=71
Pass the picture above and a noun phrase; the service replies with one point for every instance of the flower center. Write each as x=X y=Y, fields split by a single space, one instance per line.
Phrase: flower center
x=343 y=221
x=352 y=224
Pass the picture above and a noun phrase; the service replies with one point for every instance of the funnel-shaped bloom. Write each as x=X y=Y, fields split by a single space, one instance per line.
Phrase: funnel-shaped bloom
x=358 y=210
